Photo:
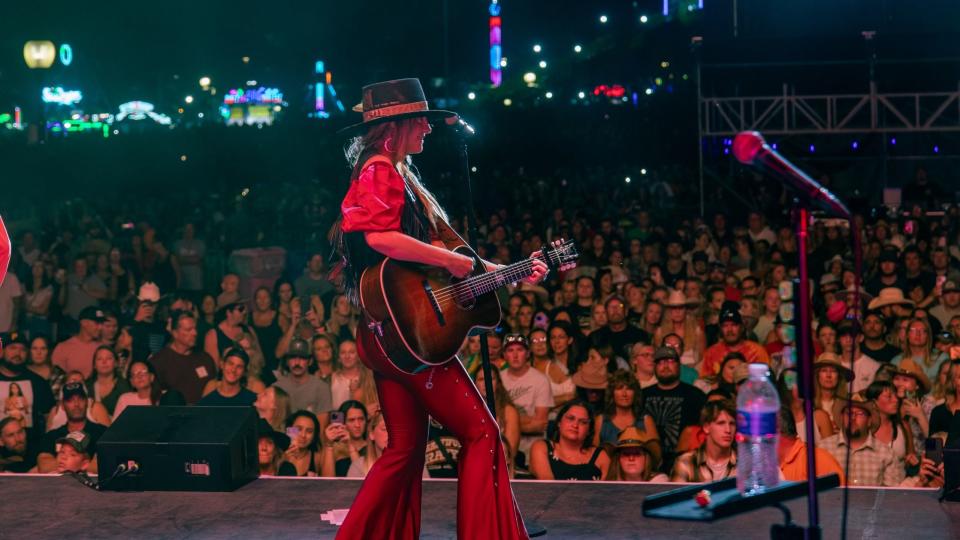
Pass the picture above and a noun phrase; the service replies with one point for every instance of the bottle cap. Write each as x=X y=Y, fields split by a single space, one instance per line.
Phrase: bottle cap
x=759 y=370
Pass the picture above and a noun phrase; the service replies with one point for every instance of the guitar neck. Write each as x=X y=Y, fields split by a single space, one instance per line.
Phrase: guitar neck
x=491 y=281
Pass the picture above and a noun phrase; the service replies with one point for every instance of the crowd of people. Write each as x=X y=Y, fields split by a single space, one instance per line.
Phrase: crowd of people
x=625 y=368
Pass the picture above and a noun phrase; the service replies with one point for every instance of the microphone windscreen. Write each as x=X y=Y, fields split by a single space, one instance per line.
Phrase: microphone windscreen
x=747 y=145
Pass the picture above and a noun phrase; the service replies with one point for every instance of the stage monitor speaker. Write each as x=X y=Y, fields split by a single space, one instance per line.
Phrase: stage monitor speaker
x=180 y=449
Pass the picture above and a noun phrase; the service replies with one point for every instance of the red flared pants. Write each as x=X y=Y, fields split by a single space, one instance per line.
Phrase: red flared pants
x=388 y=504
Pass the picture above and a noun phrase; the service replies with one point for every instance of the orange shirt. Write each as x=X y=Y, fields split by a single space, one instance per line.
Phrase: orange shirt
x=713 y=356
x=794 y=465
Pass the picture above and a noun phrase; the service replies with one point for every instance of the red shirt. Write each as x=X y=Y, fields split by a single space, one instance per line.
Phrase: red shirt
x=4 y=250
x=713 y=356
x=374 y=201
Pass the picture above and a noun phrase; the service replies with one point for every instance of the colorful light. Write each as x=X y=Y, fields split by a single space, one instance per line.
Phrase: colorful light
x=497 y=62
x=543 y=64
x=855 y=145
x=530 y=78
x=666 y=8
x=188 y=99
x=39 y=54
x=56 y=94
x=239 y=96
x=507 y=102
x=141 y=110
x=66 y=54
x=16 y=117
x=577 y=49
x=204 y=82
x=813 y=148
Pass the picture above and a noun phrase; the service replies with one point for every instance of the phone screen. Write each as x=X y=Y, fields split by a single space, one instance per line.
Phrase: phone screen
x=336 y=417
x=934 y=450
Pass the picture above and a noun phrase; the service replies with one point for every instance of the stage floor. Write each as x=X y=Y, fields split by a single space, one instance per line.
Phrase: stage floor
x=59 y=507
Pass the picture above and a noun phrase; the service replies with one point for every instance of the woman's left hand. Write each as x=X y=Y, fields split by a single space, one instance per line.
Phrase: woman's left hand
x=910 y=407
x=539 y=269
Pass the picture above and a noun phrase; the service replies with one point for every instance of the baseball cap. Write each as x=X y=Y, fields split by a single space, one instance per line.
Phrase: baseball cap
x=730 y=312
x=950 y=286
x=92 y=313
x=889 y=255
x=74 y=389
x=299 y=348
x=665 y=353
x=79 y=440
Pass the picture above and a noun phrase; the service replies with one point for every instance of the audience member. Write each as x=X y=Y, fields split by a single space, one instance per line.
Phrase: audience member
x=76 y=353
x=179 y=366
x=716 y=458
x=570 y=453
x=307 y=392
x=636 y=458
x=229 y=389
x=672 y=404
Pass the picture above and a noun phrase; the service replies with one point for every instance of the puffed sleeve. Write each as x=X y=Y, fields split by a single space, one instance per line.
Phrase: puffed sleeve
x=374 y=201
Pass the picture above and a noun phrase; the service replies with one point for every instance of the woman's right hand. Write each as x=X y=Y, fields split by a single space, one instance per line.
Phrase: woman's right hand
x=459 y=265
x=336 y=433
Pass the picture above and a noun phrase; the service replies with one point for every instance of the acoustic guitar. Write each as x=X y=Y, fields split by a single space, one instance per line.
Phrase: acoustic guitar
x=421 y=315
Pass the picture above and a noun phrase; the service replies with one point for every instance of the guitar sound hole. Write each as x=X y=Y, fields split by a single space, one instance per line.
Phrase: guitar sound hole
x=465 y=302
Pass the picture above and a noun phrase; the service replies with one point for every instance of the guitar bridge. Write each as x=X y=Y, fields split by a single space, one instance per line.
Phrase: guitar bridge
x=433 y=302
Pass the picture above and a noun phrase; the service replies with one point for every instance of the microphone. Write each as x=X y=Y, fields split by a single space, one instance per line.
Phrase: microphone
x=460 y=124
x=750 y=149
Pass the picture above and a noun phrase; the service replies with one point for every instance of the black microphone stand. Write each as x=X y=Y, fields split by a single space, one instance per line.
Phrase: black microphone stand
x=463 y=131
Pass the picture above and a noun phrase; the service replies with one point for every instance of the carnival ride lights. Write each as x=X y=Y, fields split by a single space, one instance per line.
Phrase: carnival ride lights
x=239 y=96
x=139 y=110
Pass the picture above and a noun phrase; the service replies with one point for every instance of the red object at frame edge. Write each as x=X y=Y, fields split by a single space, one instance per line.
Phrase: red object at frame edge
x=4 y=250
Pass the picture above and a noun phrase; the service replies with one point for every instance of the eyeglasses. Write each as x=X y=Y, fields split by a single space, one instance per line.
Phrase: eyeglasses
x=143 y=373
x=538 y=340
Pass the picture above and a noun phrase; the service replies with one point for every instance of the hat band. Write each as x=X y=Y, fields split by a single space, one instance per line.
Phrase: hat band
x=393 y=110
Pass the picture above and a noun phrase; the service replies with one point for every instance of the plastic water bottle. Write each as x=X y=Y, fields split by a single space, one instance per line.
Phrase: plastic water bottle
x=757 y=437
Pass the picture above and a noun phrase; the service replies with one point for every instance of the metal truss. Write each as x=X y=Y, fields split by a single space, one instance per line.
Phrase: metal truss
x=788 y=114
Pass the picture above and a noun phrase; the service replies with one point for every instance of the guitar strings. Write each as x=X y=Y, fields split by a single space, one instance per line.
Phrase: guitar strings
x=465 y=290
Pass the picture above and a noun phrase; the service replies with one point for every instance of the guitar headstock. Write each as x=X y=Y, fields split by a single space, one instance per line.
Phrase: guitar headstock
x=560 y=255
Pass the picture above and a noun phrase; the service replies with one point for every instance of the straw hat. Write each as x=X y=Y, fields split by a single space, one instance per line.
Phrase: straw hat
x=539 y=291
x=909 y=368
x=632 y=437
x=831 y=359
x=889 y=296
x=676 y=299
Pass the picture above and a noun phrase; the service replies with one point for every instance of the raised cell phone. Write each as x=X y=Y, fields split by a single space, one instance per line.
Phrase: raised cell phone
x=293 y=432
x=934 y=450
x=336 y=417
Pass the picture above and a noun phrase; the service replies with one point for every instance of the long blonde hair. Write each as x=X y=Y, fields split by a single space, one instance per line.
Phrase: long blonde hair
x=389 y=139
x=373 y=453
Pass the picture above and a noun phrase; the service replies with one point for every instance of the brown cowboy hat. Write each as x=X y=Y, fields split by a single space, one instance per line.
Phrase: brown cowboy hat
x=831 y=359
x=591 y=376
x=389 y=101
x=632 y=437
x=909 y=368
x=840 y=406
